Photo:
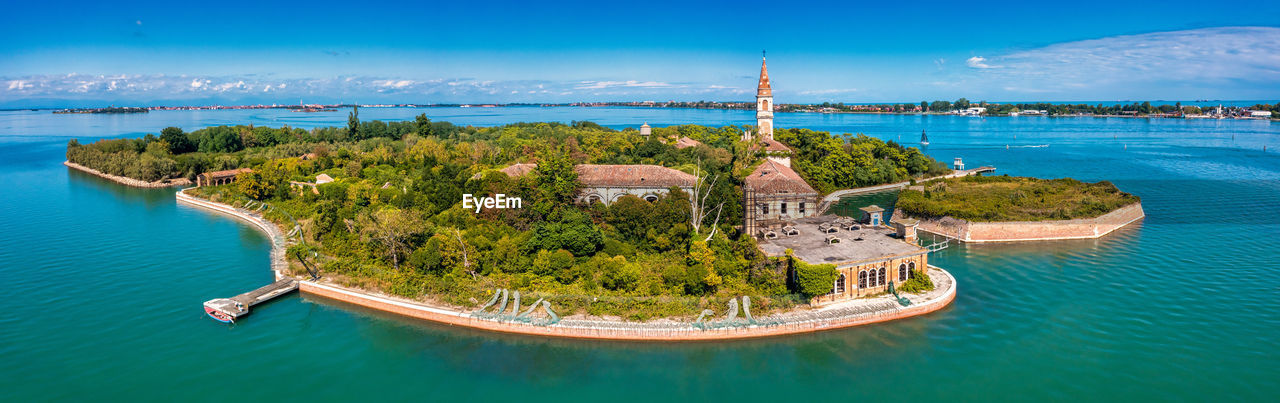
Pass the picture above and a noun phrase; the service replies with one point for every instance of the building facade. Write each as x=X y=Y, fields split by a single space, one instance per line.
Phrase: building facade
x=773 y=195
x=608 y=183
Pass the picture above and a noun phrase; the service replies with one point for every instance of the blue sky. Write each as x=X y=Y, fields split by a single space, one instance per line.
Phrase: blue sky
x=92 y=53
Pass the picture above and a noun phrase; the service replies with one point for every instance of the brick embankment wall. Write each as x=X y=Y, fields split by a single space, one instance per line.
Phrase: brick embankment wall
x=129 y=181
x=567 y=328
x=621 y=330
x=1013 y=231
x=278 y=261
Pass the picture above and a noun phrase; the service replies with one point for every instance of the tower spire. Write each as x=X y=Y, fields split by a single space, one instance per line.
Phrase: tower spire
x=764 y=89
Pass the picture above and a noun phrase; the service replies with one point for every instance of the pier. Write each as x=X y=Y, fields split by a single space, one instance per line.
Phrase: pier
x=229 y=309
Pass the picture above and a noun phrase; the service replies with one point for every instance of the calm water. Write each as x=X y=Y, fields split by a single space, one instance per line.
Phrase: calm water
x=102 y=286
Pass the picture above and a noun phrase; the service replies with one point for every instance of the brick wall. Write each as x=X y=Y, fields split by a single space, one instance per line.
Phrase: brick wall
x=1034 y=230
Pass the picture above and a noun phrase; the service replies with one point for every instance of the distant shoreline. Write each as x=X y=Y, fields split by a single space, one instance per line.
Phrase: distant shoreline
x=163 y=183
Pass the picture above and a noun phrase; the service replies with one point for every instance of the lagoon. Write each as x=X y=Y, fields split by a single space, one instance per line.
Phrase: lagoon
x=102 y=284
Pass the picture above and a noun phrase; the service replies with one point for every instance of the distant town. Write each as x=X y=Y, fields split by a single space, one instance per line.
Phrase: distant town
x=961 y=107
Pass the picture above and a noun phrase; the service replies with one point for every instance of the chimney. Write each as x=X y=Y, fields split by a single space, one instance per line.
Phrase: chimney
x=907 y=229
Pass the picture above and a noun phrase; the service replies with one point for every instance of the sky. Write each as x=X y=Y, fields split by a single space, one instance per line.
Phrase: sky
x=147 y=53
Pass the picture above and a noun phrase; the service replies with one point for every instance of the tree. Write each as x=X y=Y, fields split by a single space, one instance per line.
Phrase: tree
x=391 y=229
x=254 y=186
x=556 y=179
x=423 y=125
x=698 y=210
x=178 y=141
x=962 y=103
x=924 y=106
x=353 y=123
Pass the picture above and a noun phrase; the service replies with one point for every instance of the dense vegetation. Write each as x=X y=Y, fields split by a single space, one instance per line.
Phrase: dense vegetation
x=392 y=219
x=1007 y=198
x=830 y=163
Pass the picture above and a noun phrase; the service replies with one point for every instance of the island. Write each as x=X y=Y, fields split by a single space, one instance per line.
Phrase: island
x=1006 y=208
x=683 y=232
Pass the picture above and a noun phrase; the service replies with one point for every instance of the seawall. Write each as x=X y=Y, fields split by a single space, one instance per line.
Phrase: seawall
x=1017 y=231
x=791 y=323
x=130 y=181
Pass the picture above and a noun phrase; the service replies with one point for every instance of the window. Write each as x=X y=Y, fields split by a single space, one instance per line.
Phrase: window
x=902 y=272
x=880 y=278
x=650 y=198
x=764 y=209
x=802 y=208
x=911 y=266
x=783 y=210
x=839 y=288
x=862 y=279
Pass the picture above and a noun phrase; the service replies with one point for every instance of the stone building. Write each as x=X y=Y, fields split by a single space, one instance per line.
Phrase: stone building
x=219 y=177
x=608 y=183
x=867 y=258
x=774 y=194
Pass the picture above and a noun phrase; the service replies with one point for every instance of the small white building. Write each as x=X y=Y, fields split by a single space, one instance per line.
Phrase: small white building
x=1260 y=114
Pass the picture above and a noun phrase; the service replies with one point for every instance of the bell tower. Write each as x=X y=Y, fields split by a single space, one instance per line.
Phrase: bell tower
x=764 y=102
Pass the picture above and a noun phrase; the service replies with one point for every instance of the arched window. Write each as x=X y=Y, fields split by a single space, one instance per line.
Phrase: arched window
x=593 y=198
x=880 y=279
x=839 y=288
x=902 y=272
x=911 y=266
x=650 y=198
x=862 y=279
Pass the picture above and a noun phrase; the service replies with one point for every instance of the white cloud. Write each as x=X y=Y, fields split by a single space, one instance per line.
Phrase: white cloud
x=1209 y=62
x=977 y=62
x=829 y=91
x=196 y=83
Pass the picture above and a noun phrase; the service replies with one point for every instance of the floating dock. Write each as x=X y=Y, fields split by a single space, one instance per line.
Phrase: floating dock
x=227 y=310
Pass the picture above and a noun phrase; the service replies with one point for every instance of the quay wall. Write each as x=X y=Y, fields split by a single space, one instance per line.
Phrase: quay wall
x=602 y=331
x=620 y=331
x=1016 y=231
x=129 y=181
x=278 y=261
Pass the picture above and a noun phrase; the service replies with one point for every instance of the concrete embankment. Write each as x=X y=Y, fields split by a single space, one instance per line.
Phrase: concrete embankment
x=1017 y=231
x=129 y=181
x=852 y=313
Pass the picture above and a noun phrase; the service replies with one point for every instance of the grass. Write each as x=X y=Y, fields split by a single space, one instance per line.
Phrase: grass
x=1012 y=198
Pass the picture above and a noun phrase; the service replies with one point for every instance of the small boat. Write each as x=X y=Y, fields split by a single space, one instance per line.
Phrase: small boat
x=224 y=310
x=924 y=138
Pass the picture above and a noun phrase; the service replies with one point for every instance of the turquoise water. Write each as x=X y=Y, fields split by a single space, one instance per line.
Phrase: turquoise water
x=102 y=286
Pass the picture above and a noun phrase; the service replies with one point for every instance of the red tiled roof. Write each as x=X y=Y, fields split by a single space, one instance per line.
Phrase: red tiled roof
x=774 y=178
x=771 y=145
x=618 y=175
x=226 y=173
x=685 y=142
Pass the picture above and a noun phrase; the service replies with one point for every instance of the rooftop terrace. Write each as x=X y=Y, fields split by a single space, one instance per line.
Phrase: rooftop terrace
x=809 y=243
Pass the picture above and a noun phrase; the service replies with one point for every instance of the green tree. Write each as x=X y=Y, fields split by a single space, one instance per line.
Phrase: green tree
x=390 y=228
x=178 y=141
x=353 y=123
x=556 y=181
